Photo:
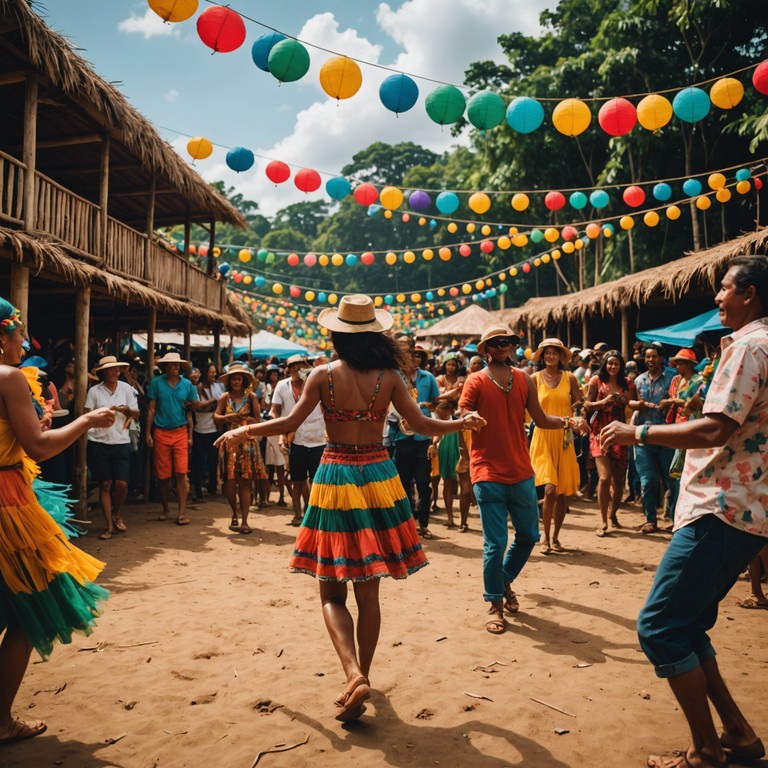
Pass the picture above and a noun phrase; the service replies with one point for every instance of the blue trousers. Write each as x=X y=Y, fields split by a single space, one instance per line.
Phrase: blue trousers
x=497 y=502
x=652 y=462
x=699 y=567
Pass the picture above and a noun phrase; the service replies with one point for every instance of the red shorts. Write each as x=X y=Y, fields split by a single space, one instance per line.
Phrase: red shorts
x=171 y=452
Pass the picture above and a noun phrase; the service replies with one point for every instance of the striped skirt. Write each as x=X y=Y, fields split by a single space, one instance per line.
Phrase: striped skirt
x=358 y=524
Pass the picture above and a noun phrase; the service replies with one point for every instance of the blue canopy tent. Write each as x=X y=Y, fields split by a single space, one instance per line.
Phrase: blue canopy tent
x=265 y=344
x=684 y=334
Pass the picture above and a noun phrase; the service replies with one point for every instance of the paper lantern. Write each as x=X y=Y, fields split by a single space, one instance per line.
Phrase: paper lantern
x=174 y=10
x=634 y=196
x=703 y=203
x=758 y=183
x=277 y=171
x=571 y=117
x=366 y=194
x=470 y=228
x=307 y=180
x=374 y=209
x=350 y=259
x=294 y=291
x=651 y=219
x=244 y=255
x=427 y=254
x=199 y=148
x=202 y=250
x=554 y=201
x=723 y=195
x=760 y=78
x=577 y=200
x=691 y=104
x=520 y=240
x=340 y=77
x=662 y=192
x=391 y=258
x=337 y=188
x=673 y=213
x=262 y=254
x=310 y=260
x=536 y=236
x=716 y=181
x=486 y=246
x=309 y=295
x=486 y=110
x=479 y=203
x=419 y=201
x=247 y=279
x=726 y=92
x=742 y=187
x=626 y=222
x=445 y=253
x=337 y=259
x=221 y=28
x=692 y=187
x=260 y=283
x=445 y=105
x=240 y=159
x=617 y=117
x=654 y=112
x=224 y=269
x=570 y=233
x=524 y=114
x=608 y=230
x=238 y=278
x=391 y=197
x=527 y=268
x=293 y=260
x=398 y=93
x=465 y=250
x=593 y=230
x=277 y=289
x=447 y=203
x=405 y=218
x=743 y=174
x=367 y=258
x=409 y=257
x=599 y=198
x=332 y=298
x=520 y=201
x=261 y=48
x=551 y=235
x=288 y=61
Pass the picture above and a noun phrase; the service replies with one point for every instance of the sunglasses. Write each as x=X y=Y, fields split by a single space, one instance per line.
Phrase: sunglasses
x=498 y=343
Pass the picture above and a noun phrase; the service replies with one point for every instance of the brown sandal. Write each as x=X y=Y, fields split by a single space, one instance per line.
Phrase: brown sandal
x=496 y=624
x=511 y=603
x=354 y=697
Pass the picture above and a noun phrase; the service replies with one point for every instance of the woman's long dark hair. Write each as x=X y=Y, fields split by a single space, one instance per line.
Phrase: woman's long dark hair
x=621 y=377
x=367 y=350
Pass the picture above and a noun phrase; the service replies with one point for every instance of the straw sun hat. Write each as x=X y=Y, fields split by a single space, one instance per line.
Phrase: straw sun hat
x=171 y=357
x=564 y=352
x=495 y=331
x=355 y=314
x=243 y=370
x=110 y=361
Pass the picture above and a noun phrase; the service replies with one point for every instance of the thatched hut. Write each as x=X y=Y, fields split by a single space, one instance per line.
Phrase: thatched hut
x=470 y=322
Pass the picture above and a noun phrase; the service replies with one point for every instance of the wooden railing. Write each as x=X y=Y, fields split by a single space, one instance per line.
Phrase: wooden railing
x=76 y=222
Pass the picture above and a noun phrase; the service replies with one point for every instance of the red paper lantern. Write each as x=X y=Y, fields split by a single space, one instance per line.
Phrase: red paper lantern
x=295 y=291
x=366 y=194
x=486 y=246
x=406 y=218
x=293 y=260
x=367 y=258
x=238 y=278
x=569 y=233
x=526 y=267
x=617 y=117
x=464 y=250
x=554 y=200
x=454 y=291
x=760 y=78
x=758 y=183
x=278 y=171
x=221 y=29
x=202 y=250
x=634 y=196
x=307 y=180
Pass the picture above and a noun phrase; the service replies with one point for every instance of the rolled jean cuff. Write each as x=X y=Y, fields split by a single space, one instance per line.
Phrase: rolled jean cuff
x=689 y=663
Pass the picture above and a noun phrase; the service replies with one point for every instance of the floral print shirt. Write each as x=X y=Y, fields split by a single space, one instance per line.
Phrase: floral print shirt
x=731 y=481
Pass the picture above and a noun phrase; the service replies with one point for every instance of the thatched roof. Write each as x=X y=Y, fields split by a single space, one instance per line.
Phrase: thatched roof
x=471 y=321
x=48 y=258
x=671 y=281
x=93 y=106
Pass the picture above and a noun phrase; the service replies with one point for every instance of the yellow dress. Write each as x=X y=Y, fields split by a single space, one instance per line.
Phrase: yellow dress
x=551 y=462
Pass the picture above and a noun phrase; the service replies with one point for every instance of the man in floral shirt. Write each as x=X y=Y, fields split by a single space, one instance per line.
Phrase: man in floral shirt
x=720 y=523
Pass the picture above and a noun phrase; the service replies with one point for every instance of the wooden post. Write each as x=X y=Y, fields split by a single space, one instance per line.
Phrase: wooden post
x=82 y=332
x=187 y=240
x=250 y=353
x=151 y=322
x=101 y=245
x=149 y=230
x=231 y=353
x=584 y=332
x=187 y=339
x=19 y=292
x=625 y=333
x=211 y=241
x=217 y=346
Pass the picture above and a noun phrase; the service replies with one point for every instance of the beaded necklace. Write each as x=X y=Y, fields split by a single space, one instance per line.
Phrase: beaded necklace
x=506 y=389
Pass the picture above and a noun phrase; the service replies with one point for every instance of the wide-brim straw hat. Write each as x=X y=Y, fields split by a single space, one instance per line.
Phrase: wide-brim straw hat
x=110 y=361
x=297 y=358
x=355 y=314
x=171 y=357
x=243 y=370
x=684 y=356
x=495 y=331
x=564 y=352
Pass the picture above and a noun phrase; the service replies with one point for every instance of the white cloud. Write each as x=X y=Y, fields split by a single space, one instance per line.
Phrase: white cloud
x=172 y=95
x=326 y=134
x=149 y=25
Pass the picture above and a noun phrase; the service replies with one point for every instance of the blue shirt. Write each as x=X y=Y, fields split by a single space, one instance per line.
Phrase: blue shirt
x=653 y=391
x=427 y=390
x=170 y=408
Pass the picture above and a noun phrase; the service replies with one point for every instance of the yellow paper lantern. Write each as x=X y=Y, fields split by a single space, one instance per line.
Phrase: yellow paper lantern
x=391 y=258
x=571 y=117
x=502 y=276
x=556 y=254
x=422 y=221
x=280 y=311
x=545 y=258
x=216 y=252
x=651 y=219
x=504 y=242
x=578 y=244
x=726 y=92
x=199 y=148
x=337 y=259
x=387 y=214
x=244 y=255
x=551 y=235
x=445 y=253
x=428 y=254
x=470 y=228
x=415 y=298
x=466 y=288
x=400 y=298
x=409 y=257
x=479 y=285
x=743 y=187
x=247 y=279
x=452 y=227
x=293 y=313
x=341 y=77
x=479 y=202
x=716 y=181
x=309 y=295
x=174 y=10
x=654 y=112
x=391 y=197
x=626 y=222
x=723 y=195
x=520 y=201
x=513 y=272
x=333 y=298
x=673 y=213
x=485 y=229
x=277 y=288
x=441 y=291
x=703 y=202
x=537 y=262
x=568 y=247
x=520 y=240
x=513 y=230
x=378 y=301
x=323 y=260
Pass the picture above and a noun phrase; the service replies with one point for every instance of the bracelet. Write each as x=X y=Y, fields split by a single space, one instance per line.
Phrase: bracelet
x=641 y=434
x=566 y=422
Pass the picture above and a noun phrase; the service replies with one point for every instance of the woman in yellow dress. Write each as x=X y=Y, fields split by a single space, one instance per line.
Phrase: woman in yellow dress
x=552 y=453
x=46 y=589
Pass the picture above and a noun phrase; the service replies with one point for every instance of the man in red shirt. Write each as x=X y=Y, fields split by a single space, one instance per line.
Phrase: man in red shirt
x=500 y=467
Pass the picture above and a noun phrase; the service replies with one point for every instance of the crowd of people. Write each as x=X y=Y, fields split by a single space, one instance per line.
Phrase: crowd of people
x=365 y=438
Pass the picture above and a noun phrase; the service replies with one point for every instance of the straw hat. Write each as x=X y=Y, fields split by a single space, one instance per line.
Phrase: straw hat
x=171 y=357
x=495 y=331
x=684 y=356
x=243 y=370
x=601 y=346
x=356 y=314
x=110 y=361
x=565 y=353
x=297 y=358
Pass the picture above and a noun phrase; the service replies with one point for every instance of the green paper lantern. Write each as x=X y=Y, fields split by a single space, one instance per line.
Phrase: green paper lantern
x=445 y=105
x=288 y=61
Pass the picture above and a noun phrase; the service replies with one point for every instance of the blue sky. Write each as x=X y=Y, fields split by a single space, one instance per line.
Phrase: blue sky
x=172 y=78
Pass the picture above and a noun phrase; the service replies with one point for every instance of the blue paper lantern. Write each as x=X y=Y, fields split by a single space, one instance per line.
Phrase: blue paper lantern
x=398 y=93
x=599 y=198
x=373 y=209
x=224 y=269
x=240 y=159
x=743 y=174
x=261 y=48
x=692 y=187
x=578 y=200
x=322 y=297
x=691 y=104
x=419 y=200
x=429 y=295
x=351 y=259
x=662 y=192
x=432 y=223
x=389 y=299
x=447 y=202
x=337 y=188
x=260 y=281
x=524 y=114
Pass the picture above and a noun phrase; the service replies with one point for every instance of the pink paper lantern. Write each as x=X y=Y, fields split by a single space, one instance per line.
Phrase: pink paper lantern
x=569 y=233
x=310 y=260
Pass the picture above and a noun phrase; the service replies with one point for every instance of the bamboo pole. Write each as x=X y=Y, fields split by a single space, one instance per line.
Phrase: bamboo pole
x=82 y=333
x=150 y=228
x=151 y=323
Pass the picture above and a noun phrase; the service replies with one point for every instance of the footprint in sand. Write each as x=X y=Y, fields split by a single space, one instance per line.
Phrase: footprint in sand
x=278 y=603
x=209 y=698
x=265 y=706
x=425 y=714
x=208 y=655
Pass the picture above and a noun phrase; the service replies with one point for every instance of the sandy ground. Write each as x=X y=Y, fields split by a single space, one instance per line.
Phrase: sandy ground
x=211 y=652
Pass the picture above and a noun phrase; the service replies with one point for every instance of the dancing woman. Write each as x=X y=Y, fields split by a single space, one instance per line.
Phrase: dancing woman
x=358 y=524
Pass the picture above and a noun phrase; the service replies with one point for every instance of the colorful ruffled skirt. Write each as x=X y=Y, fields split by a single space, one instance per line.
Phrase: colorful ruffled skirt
x=358 y=523
x=46 y=583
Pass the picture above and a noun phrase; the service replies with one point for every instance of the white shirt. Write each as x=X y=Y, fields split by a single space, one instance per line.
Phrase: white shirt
x=311 y=433
x=100 y=397
x=204 y=423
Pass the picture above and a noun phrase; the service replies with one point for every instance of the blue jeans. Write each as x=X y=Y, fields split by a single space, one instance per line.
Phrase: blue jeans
x=496 y=501
x=652 y=462
x=701 y=564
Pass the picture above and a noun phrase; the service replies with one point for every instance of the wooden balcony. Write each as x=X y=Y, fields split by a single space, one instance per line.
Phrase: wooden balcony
x=77 y=223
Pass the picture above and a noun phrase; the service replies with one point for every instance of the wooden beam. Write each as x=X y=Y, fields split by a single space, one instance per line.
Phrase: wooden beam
x=69 y=141
x=103 y=197
x=211 y=243
x=29 y=152
x=150 y=226
x=11 y=78
x=584 y=332
x=217 y=346
x=82 y=331
x=143 y=193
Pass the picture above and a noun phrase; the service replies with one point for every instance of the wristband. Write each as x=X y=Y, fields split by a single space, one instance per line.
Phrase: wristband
x=641 y=434
x=566 y=422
